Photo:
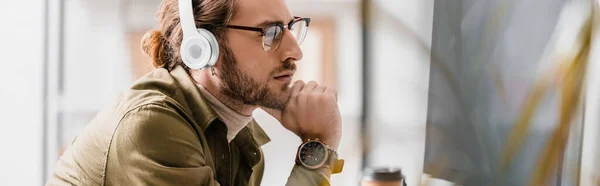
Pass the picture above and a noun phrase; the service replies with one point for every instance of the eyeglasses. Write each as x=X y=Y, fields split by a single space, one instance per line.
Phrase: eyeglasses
x=273 y=34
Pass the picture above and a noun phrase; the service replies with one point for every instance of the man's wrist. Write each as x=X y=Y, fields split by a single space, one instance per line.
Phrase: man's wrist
x=330 y=165
x=331 y=144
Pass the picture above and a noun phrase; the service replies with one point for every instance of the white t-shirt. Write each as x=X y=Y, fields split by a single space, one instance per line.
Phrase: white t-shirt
x=234 y=120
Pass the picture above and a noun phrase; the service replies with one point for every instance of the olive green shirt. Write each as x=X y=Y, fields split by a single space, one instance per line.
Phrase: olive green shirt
x=161 y=131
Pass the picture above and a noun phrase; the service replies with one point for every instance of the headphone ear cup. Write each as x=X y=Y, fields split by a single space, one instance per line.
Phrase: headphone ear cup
x=213 y=45
x=200 y=50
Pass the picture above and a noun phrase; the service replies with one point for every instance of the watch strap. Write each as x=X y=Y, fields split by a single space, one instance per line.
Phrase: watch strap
x=333 y=163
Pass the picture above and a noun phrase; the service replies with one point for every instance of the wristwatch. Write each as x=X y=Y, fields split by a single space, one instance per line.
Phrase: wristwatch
x=314 y=154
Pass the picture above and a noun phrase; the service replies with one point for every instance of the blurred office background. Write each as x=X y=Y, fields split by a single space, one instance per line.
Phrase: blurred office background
x=63 y=60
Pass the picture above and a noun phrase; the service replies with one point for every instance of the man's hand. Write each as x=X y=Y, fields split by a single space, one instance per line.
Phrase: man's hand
x=312 y=112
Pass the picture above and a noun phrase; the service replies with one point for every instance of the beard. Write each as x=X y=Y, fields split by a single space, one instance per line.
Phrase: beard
x=240 y=86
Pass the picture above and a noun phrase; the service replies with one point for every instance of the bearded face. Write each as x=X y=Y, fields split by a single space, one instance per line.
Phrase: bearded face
x=251 y=88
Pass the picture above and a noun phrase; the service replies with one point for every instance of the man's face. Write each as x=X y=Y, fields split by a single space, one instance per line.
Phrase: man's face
x=249 y=73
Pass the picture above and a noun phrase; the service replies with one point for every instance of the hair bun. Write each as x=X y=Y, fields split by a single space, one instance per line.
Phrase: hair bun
x=153 y=46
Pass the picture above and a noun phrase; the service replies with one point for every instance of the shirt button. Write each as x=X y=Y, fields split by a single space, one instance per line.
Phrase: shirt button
x=254 y=153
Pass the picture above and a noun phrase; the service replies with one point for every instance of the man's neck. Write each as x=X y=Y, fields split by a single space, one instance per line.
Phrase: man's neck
x=211 y=84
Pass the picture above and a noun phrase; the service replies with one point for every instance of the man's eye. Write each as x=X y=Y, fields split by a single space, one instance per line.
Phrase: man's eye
x=271 y=31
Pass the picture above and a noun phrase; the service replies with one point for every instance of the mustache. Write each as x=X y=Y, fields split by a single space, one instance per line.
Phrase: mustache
x=287 y=65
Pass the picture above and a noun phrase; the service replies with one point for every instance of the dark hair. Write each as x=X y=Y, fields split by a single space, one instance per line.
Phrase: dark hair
x=162 y=44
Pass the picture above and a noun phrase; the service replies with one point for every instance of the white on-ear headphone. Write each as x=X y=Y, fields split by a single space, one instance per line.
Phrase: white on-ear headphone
x=199 y=48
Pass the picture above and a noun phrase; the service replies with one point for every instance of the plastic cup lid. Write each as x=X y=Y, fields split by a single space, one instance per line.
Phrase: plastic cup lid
x=382 y=174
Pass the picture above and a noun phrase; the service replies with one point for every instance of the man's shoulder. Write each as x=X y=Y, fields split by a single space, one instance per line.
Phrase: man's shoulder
x=156 y=88
x=156 y=134
x=153 y=118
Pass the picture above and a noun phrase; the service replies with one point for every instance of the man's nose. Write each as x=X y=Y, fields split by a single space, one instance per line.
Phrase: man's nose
x=289 y=48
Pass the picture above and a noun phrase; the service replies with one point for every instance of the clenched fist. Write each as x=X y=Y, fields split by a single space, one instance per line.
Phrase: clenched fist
x=312 y=112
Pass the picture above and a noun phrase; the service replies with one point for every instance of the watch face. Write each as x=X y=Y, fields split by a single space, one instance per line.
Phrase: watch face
x=313 y=154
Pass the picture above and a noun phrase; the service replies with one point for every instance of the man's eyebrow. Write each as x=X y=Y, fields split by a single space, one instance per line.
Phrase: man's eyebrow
x=271 y=22
x=268 y=22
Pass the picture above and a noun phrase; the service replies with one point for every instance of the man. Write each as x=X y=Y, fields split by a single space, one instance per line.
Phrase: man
x=185 y=125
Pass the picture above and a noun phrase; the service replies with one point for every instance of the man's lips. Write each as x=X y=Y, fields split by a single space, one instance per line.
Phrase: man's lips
x=286 y=76
x=288 y=73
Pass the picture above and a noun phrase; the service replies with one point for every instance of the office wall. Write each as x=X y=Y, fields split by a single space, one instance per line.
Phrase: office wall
x=96 y=65
x=21 y=91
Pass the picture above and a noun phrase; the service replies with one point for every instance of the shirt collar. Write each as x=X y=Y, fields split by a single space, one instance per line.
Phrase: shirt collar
x=204 y=114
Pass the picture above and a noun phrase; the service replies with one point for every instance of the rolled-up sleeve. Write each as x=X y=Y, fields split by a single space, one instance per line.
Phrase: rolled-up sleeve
x=301 y=176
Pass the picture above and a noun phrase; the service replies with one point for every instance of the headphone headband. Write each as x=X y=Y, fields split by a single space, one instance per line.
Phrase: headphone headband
x=186 y=18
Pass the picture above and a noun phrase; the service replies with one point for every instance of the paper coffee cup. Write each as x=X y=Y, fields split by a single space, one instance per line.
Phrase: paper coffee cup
x=382 y=177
